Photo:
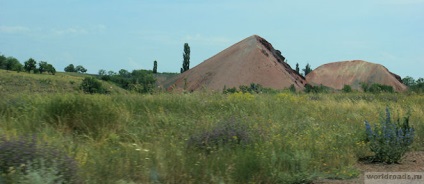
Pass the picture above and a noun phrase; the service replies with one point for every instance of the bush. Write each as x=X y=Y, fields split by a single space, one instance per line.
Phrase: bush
x=27 y=159
x=347 y=88
x=83 y=115
x=389 y=141
x=92 y=85
x=229 y=133
x=377 y=88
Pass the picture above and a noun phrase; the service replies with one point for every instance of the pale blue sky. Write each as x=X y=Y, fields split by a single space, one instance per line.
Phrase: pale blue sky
x=131 y=34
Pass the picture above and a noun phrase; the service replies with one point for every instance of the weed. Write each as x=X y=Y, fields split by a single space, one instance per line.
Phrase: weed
x=390 y=140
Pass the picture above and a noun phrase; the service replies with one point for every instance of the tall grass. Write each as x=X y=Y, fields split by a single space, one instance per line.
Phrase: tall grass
x=146 y=138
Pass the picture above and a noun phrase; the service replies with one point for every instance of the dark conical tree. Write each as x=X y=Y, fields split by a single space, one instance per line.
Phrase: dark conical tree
x=297 y=68
x=155 y=67
x=186 y=58
x=307 y=69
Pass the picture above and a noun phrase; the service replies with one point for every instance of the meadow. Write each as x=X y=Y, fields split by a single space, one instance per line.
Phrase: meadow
x=206 y=137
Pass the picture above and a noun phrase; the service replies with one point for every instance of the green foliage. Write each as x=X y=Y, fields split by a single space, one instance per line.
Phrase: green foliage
x=155 y=67
x=307 y=69
x=144 y=138
x=292 y=88
x=70 y=68
x=30 y=65
x=11 y=63
x=347 y=88
x=408 y=81
x=316 y=89
x=390 y=140
x=376 y=88
x=82 y=115
x=252 y=88
x=297 y=68
x=414 y=86
x=45 y=67
x=92 y=85
x=186 y=58
x=80 y=69
x=140 y=81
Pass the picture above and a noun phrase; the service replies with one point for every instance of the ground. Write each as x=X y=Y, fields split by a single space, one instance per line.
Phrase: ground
x=412 y=162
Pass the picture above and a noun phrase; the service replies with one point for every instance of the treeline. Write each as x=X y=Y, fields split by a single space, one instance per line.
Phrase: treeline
x=141 y=81
x=416 y=86
x=30 y=66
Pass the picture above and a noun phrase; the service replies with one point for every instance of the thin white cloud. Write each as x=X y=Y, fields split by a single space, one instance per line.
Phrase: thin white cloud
x=14 y=29
x=71 y=30
x=77 y=30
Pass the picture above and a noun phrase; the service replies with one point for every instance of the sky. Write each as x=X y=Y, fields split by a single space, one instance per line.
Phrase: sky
x=132 y=34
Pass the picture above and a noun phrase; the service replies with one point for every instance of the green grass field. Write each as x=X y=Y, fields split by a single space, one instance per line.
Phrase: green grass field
x=204 y=137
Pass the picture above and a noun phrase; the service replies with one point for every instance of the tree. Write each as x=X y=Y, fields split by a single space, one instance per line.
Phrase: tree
x=408 y=81
x=2 y=61
x=12 y=63
x=70 y=68
x=92 y=85
x=124 y=73
x=42 y=66
x=50 y=69
x=297 y=68
x=80 y=69
x=307 y=69
x=347 y=88
x=186 y=58
x=30 y=65
x=155 y=67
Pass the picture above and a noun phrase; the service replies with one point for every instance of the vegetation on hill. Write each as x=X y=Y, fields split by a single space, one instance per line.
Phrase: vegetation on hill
x=13 y=82
x=416 y=86
x=141 y=81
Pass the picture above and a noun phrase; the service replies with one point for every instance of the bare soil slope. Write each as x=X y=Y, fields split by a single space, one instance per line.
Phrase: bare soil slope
x=252 y=60
x=353 y=73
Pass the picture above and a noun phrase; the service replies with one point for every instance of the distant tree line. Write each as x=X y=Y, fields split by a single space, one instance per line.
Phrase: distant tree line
x=141 y=81
x=414 y=85
x=77 y=69
x=30 y=66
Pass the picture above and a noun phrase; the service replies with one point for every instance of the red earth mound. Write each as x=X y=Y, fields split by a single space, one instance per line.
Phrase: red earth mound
x=354 y=73
x=252 y=60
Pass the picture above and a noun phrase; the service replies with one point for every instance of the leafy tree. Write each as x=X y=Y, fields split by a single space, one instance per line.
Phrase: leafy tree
x=92 y=85
x=103 y=75
x=347 y=88
x=70 y=68
x=30 y=65
x=2 y=61
x=102 y=72
x=307 y=69
x=297 y=68
x=80 y=69
x=124 y=73
x=186 y=58
x=13 y=64
x=408 y=81
x=50 y=69
x=155 y=67
x=42 y=66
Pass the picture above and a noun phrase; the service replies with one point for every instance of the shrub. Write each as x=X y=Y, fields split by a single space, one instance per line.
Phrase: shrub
x=347 y=88
x=28 y=158
x=92 y=85
x=389 y=141
x=229 y=133
x=376 y=88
